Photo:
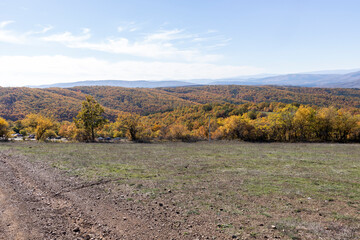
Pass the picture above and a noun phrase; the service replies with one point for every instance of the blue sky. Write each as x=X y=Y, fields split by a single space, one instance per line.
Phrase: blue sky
x=52 y=41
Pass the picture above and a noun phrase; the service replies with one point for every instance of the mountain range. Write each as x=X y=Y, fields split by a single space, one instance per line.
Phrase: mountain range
x=330 y=79
x=120 y=83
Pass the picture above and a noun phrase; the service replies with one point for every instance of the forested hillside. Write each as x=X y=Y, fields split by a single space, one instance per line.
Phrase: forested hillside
x=64 y=104
x=241 y=94
x=16 y=103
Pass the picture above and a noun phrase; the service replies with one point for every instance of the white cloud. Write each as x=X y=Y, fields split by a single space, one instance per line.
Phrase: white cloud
x=173 y=45
x=68 y=38
x=4 y=23
x=86 y=30
x=154 y=50
x=9 y=36
x=128 y=26
x=167 y=35
x=23 y=70
x=44 y=29
x=159 y=45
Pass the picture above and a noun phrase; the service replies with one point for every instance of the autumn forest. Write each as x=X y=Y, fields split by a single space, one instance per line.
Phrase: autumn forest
x=248 y=113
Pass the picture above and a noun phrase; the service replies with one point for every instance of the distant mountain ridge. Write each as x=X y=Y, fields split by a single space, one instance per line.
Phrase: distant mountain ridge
x=119 y=83
x=301 y=80
x=348 y=80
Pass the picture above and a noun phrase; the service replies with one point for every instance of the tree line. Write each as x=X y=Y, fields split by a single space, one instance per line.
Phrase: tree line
x=263 y=122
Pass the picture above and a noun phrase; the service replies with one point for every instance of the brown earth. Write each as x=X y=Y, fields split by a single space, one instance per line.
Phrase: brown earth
x=39 y=202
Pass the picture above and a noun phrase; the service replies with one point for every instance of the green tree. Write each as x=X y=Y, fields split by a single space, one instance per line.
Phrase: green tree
x=130 y=124
x=90 y=118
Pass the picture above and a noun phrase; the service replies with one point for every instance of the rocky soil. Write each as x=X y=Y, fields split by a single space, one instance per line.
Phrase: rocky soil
x=39 y=202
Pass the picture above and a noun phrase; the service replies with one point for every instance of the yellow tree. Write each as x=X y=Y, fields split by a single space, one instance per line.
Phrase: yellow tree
x=355 y=132
x=178 y=132
x=42 y=126
x=325 y=122
x=304 y=123
x=345 y=123
x=4 y=129
x=282 y=124
x=235 y=127
x=67 y=129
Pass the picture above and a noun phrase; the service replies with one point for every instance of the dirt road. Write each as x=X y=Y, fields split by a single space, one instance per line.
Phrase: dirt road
x=39 y=202
x=30 y=207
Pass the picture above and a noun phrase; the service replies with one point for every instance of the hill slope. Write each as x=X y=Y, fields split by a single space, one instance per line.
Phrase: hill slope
x=16 y=103
x=64 y=104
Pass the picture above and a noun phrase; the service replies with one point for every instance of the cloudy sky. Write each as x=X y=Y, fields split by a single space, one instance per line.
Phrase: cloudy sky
x=44 y=42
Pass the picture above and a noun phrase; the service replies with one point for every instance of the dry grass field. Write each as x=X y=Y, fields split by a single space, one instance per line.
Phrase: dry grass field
x=217 y=190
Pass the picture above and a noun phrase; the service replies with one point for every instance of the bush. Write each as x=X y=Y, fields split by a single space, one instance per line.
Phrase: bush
x=180 y=132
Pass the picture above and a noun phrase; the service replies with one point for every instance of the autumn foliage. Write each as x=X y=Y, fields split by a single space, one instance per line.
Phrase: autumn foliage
x=247 y=122
x=43 y=127
x=65 y=103
x=4 y=129
x=192 y=113
x=89 y=119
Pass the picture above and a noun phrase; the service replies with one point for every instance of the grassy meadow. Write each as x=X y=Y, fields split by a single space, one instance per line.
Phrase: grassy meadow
x=303 y=190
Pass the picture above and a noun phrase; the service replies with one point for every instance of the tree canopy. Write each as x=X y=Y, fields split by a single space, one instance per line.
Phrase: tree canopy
x=89 y=118
x=4 y=129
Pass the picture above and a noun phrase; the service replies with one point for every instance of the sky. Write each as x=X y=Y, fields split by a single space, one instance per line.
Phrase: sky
x=52 y=41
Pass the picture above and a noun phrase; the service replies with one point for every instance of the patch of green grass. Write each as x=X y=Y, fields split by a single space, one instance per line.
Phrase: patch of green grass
x=266 y=214
x=339 y=216
x=224 y=226
x=327 y=170
x=193 y=212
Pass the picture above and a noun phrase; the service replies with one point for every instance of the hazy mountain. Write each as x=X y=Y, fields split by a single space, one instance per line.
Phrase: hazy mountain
x=351 y=80
x=338 y=71
x=348 y=80
x=302 y=80
x=224 y=81
x=119 y=83
x=353 y=84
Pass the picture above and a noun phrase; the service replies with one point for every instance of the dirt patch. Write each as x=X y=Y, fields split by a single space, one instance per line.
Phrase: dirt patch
x=29 y=208
x=39 y=202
